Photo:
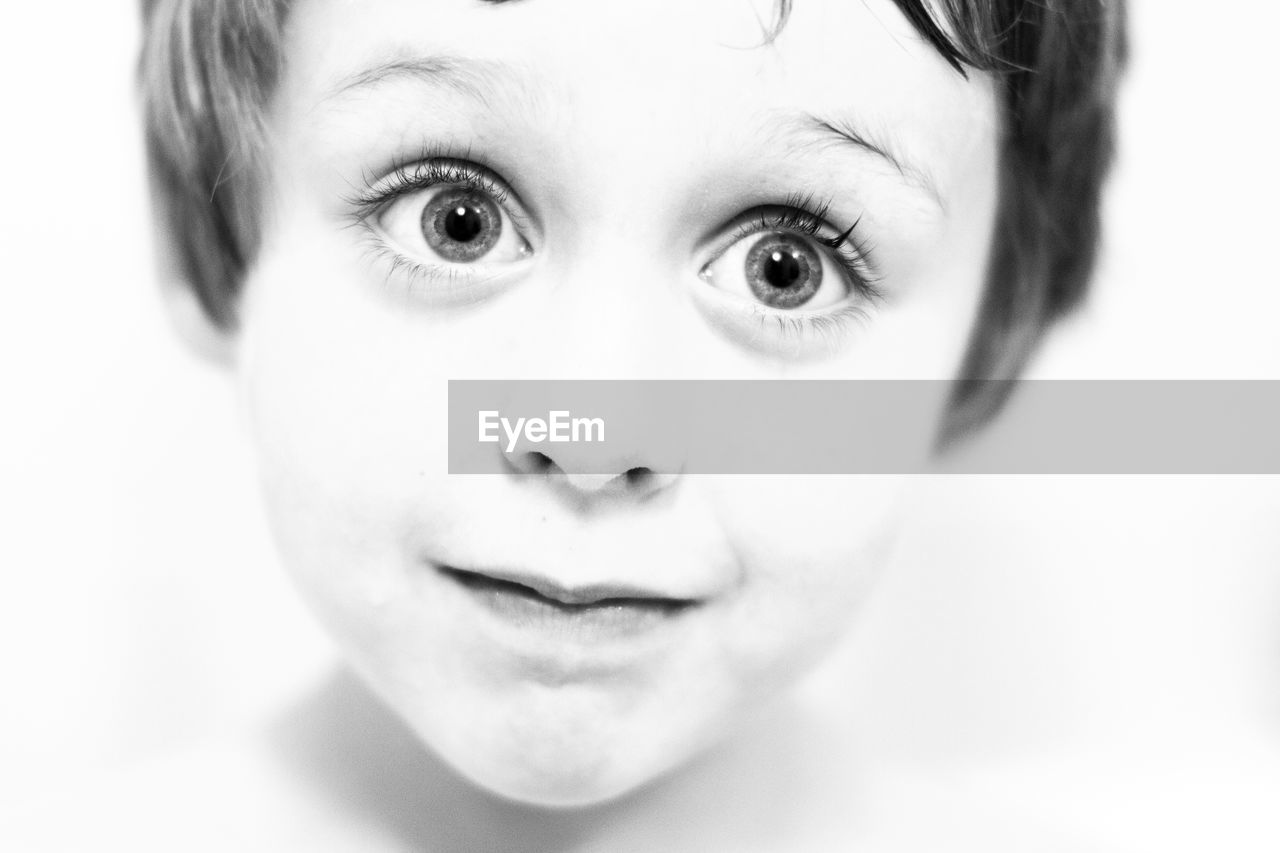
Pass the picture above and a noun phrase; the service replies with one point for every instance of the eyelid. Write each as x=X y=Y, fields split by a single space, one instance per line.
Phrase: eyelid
x=799 y=215
x=423 y=281
x=431 y=172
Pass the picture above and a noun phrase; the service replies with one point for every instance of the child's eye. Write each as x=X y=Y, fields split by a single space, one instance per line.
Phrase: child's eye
x=449 y=231
x=783 y=259
x=456 y=224
x=781 y=270
x=793 y=285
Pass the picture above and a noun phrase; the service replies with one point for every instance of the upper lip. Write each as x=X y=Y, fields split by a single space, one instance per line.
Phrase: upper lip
x=578 y=596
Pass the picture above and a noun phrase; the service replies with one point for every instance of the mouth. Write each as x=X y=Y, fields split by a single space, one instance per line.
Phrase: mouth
x=585 y=614
x=565 y=598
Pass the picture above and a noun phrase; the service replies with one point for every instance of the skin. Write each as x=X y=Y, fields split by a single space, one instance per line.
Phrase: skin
x=633 y=136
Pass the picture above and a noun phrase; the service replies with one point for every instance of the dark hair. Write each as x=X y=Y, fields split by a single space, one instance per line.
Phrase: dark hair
x=209 y=68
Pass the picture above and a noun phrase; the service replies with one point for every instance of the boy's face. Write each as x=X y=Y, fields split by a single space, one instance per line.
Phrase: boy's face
x=593 y=190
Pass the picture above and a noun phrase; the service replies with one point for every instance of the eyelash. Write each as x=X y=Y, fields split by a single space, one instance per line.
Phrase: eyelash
x=429 y=171
x=824 y=332
x=799 y=214
x=431 y=167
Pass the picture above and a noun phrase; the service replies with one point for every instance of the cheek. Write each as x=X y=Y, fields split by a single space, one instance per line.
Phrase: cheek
x=343 y=427
x=810 y=548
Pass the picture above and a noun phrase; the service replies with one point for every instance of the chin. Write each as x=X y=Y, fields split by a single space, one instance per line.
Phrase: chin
x=575 y=782
x=560 y=794
x=573 y=762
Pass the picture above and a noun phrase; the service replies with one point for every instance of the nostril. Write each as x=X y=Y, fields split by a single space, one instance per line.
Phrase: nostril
x=638 y=476
x=638 y=481
x=532 y=462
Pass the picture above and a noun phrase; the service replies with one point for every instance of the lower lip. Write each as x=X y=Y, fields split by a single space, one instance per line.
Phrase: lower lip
x=576 y=624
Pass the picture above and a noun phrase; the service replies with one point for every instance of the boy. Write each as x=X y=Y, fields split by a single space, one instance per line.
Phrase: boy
x=368 y=199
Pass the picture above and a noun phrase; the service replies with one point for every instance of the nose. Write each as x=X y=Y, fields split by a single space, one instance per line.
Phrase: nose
x=613 y=304
x=625 y=477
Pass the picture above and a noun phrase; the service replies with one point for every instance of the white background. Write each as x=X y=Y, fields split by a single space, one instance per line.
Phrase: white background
x=1040 y=628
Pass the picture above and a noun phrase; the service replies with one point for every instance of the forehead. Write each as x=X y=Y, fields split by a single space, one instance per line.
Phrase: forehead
x=680 y=74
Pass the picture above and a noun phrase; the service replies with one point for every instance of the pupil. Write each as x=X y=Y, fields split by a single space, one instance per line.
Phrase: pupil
x=463 y=223
x=782 y=269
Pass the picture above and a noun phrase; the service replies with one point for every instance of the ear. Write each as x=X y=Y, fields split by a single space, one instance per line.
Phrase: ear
x=193 y=324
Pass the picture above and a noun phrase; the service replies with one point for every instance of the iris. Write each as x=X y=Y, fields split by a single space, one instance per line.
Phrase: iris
x=783 y=271
x=461 y=225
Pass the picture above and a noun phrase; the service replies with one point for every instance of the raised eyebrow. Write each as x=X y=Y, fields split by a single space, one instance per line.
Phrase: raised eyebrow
x=821 y=130
x=472 y=77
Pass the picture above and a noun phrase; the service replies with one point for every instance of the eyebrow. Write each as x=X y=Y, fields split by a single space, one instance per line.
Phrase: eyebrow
x=478 y=79
x=483 y=80
x=822 y=130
